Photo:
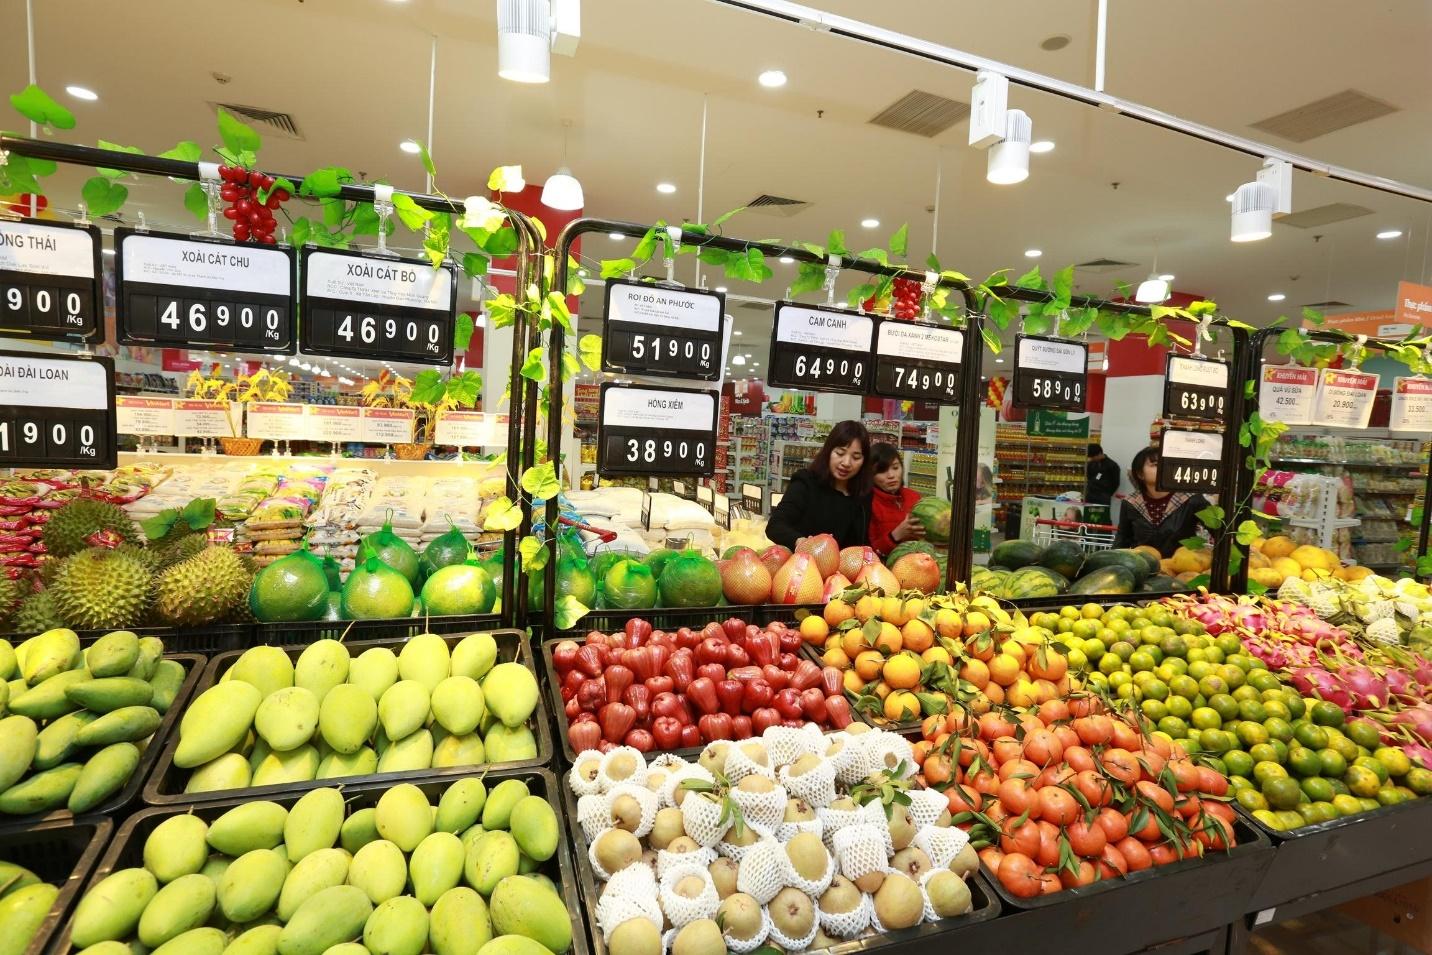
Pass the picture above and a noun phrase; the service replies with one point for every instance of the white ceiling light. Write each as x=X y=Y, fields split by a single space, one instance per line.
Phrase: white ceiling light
x=1005 y=132
x=1166 y=277
x=1390 y=234
x=1033 y=253
x=410 y=146
x=524 y=40
x=999 y=361
x=870 y=223
x=737 y=331
x=1043 y=146
x=665 y=188
x=786 y=260
x=615 y=236
x=1009 y=160
x=1276 y=297
x=81 y=92
x=772 y=79
x=562 y=191
x=1153 y=289
x=722 y=290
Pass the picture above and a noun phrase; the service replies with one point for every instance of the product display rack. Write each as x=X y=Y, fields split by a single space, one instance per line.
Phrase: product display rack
x=1038 y=466
x=749 y=460
x=922 y=470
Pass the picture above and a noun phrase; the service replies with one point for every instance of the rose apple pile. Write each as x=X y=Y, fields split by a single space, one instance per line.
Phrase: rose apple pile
x=654 y=690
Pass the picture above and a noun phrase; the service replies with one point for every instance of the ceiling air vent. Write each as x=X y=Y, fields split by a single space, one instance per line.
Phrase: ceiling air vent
x=776 y=205
x=921 y=113
x=1103 y=265
x=272 y=121
x=755 y=305
x=1329 y=114
x=1324 y=215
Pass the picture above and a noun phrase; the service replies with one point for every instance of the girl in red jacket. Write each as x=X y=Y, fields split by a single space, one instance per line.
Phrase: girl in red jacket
x=890 y=518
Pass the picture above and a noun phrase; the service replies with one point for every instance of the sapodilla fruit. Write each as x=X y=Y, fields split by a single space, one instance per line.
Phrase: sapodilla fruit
x=917 y=571
x=878 y=577
x=774 y=557
x=854 y=559
x=744 y=579
x=825 y=549
x=835 y=584
x=799 y=581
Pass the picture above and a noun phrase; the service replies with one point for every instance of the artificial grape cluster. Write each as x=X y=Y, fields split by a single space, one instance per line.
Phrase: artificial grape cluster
x=906 y=299
x=253 y=220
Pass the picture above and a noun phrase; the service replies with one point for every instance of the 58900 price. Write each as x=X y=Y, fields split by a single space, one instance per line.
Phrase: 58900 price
x=1052 y=389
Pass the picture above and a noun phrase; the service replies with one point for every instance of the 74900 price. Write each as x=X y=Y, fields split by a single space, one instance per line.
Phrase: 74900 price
x=925 y=380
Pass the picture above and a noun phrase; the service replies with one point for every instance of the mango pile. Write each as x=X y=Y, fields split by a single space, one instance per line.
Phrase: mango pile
x=25 y=900
x=273 y=720
x=399 y=877
x=78 y=719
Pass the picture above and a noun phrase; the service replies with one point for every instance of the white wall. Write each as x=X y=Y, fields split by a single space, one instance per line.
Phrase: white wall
x=1130 y=407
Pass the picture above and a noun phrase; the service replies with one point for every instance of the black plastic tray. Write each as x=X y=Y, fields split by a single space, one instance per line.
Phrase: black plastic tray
x=1338 y=852
x=925 y=937
x=129 y=793
x=217 y=638
x=127 y=848
x=165 y=786
x=63 y=853
x=290 y=633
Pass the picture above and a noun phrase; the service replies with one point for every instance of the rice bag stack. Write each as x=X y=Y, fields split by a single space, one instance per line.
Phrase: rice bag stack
x=399 y=500
x=333 y=525
x=275 y=527
x=451 y=502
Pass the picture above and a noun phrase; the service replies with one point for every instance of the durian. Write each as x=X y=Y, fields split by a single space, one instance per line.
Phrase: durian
x=37 y=614
x=148 y=559
x=69 y=528
x=202 y=589
x=11 y=593
x=102 y=589
x=181 y=549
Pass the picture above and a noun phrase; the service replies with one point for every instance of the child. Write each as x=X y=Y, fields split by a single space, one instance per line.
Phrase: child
x=890 y=518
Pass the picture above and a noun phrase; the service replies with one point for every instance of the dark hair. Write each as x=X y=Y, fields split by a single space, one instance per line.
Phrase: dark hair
x=842 y=434
x=1095 y=448
x=882 y=455
x=1144 y=456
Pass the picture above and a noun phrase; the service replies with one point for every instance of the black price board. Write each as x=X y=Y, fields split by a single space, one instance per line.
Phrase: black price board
x=652 y=431
x=821 y=349
x=175 y=291
x=50 y=281
x=358 y=305
x=918 y=360
x=1190 y=461
x=1050 y=373
x=56 y=411
x=661 y=330
x=1195 y=389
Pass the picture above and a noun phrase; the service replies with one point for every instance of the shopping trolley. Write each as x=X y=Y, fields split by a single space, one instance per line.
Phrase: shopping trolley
x=1089 y=537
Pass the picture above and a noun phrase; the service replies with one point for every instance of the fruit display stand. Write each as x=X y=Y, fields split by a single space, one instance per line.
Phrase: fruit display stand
x=165 y=785
x=63 y=854
x=126 y=849
x=300 y=632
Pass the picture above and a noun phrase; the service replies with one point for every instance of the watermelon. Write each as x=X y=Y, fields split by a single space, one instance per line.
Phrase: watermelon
x=1014 y=554
x=910 y=547
x=1164 y=584
x=934 y=514
x=987 y=579
x=1033 y=582
x=1113 y=579
x=1136 y=563
x=1064 y=556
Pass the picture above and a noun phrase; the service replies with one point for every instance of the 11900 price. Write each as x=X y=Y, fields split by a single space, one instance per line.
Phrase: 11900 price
x=57 y=437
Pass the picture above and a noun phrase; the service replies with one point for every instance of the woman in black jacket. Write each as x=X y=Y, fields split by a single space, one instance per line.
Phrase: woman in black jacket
x=1158 y=518
x=832 y=496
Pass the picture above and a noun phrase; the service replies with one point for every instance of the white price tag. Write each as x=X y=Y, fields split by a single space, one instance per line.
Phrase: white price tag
x=140 y=415
x=471 y=429
x=1287 y=394
x=335 y=423
x=195 y=418
x=388 y=425
x=1411 y=405
x=1345 y=398
x=277 y=421
x=820 y=328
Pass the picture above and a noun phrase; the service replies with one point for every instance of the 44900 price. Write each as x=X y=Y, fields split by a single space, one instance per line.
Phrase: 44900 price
x=1195 y=474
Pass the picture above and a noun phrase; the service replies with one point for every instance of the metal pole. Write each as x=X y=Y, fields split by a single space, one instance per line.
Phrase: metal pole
x=701 y=177
x=1101 y=49
x=30 y=39
x=935 y=226
x=432 y=93
x=959 y=559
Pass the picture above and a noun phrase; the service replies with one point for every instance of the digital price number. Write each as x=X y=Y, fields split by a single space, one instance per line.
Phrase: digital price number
x=49 y=281
x=1050 y=373
x=1190 y=461
x=366 y=306
x=821 y=348
x=56 y=412
x=1195 y=389
x=663 y=330
x=918 y=361
x=651 y=431
x=180 y=292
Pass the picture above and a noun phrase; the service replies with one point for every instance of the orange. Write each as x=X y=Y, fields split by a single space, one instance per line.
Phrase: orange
x=1021 y=693
x=1015 y=649
x=948 y=623
x=902 y=671
x=917 y=635
x=914 y=607
x=852 y=682
x=837 y=612
x=890 y=639
x=867 y=607
x=892 y=610
x=902 y=705
x=852 y=641
x=1004 y=669
x=936 y=655
x=835 y=657
x=868 y=664
x=814 y=629
x=976 y=622
x=975 y=672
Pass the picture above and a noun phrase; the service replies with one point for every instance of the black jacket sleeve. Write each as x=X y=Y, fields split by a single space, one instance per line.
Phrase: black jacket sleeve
x=784 y=525
x=1188 y=524
x=1124 y=537
x=1106 y=478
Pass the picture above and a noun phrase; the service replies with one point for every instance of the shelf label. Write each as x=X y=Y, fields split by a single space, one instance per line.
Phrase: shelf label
x=1286 y=394
x=821 y=349
x=659 y=330
x=56 y=412
x=918 y=360
x=360 y=305
x=1190 y=461
x=1411 y=405
x=136 y=414
x=753 y=497
x=1195 y=388
x=1050 y=373
x=721 y=511
x=277 y=421
x=389 y=425
x=198 y=418
x=178 y=292
x=335 y=423
x=1345 y=398
x=471 y=429
x=656 y=431
x=50 y=281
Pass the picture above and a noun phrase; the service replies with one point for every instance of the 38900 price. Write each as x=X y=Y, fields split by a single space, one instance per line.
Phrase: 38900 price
x=651 y=450
x=648 y=452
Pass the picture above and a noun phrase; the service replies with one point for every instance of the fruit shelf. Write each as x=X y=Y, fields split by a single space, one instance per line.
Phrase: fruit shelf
x=63 y=853
x=397 y=628
x=217 y=638
x=919 y=940
x=128 y=846
x=909 y=728
x=670 y=618
x=165 y=786
x=194 y=666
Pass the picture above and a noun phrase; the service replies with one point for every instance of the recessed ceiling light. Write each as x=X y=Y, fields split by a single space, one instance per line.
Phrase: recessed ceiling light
x=1390 y=234
x=1165 y=278
x=81 y=92
x=1228 y=198
x=786 y=260
x=722 y=290
x=870 y=223
x=1043 y=146
x=665 y=187
x=615 y=236
x=772 y=79
x=1032 y=253
x=999 y=361
x=1276 y=297
x=410 y=146
x=738 y=332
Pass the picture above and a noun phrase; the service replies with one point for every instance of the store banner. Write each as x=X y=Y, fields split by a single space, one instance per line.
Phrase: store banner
x=1414 y=305
x=1411 y=405
x=1345 y=398
x=1043 y=423
x=1384 y=323
x=1286 y=394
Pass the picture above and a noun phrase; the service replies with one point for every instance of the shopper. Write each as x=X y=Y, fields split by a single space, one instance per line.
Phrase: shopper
x=832 y=496
x=984 y=485
x=1103 y=477
x=891 y=501
x=1157 y=518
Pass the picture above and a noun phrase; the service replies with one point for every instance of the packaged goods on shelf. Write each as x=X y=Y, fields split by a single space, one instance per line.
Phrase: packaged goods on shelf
x=275 y=527
x=332 y=526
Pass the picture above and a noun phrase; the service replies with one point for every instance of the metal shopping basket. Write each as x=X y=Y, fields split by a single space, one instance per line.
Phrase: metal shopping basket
x=1089 y=537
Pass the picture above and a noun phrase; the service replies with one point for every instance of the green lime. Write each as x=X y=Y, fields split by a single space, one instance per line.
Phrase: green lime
x=1237 y=783
x=1225 y=705
x=1174 y=646
x=1279 y=729
x=1094 y=648
x=1111 y=663
x=1311 y=735
x=1364 y=733
x=1304 y=762
x=1389 y=796
x=1395 y=760
x=1216 y=763
x=1231 y=675
x=1295 y=703
x=1239 y=762
x=1307 y=811
x=1251 y=734
x=1369 y=804
x=1126 y=690
x=1142 y=678
x=1375 y=765
x=1262 y=680
x=1246 y=692
x=1251 y=800
x=1185 y=686
x=1268 y=818
x=1316 y=788
x=1138 y=621
x=1346 y=747
x=1328 y=714
x=1333 y=763
x=1179 y=706
x=1178 y=664
x=1275 y=708
x=1340 y=787
x=1213 y=683
x=1218 y=741
x=1240 y=660
x=1120 y=678
x=1281 y=748
x=1263 y=753
x=1214 y=656
x=1264 y=770
x=1153 y=709
x=1346 y=805
x=1228 y=643
x=1252 y=710
x=1419 y=780
x=1142 y=660
x=1199 y=668
x=1281 y=792
x=1291 y=819
x=1156 y=689
x=1362 y=781
x=1320 y=811
x=1124 y=649
x=1206 y=717
x=1174 y=727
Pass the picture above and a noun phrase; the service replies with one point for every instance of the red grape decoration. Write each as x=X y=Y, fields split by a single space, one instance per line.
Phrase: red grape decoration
x=253 y=220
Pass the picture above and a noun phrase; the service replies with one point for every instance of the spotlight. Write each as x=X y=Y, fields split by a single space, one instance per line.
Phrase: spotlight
x=1009 y=160
x=1252 y=212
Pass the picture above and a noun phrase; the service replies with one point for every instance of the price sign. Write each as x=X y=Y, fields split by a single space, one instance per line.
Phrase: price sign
x=1190 y=461
x=388 y=425
x=1050 y=373
x=178 y=292
x=821 y=349
x=657 y=330
x=335 y=423
x=1286 y=394
x=197 y=418
x=753 y=497
x=470 y=429
x=706 y=496
x=1195 y=388
x=1345 y=398
x=275 y=420
x=1411 y=405
x=139 y=415
x=721 y=510
x=918 y=360
x=50 y=281
x=654 y=431
x=56 y=412
x=359 y=305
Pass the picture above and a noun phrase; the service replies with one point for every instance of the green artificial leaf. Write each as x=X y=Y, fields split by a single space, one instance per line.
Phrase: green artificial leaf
x=991 y=339
x=474 y=264
x=1211 y=517
x=646 y=246
x=237 y=136
x=428 y=387
x=160 y=524
x=465 y=388
x=187 y=151
x=365 y=219
x=876 y=255
x=298 y=238
x=413 y=216
x=1290 y=341
x=1079 y=320
x=435 y=243
x=18 y=175
x=327 y=182
x=835 y=244
x=540 y=480
x=532 y=368
x=334 y=212
x=570 y=366
x=528 y=548
x=1037 y=322
x=1424 y=565
x=1031 y=280
x=589 y=347
x=197 y=202
x=116 y=147
x=279 y=183
x=103 y=196
x=37 y=106
x=198 y=513
x=560 y=313
x=617 y=268
x=1247 y=533
x=1063 y=286
x=1193 y=543
x=506 y=179
x=568 y=610
x=502 y=310
x=1312 y=316
x=725 y=217
x=462 y=332
x=427 y=159
x=809 y=277
x=1257 y=589
x=502 y=515
x=900 y=242
x=502 y=242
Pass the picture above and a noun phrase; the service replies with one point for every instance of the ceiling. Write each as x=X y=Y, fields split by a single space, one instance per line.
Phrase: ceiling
x=354 y=75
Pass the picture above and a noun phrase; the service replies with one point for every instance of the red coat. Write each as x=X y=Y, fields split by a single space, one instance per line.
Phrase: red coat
x=886 y=512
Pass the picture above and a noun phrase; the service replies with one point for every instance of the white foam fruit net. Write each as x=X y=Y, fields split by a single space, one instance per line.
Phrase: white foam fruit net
x=701 y=817
x=816 y=786
x=645 y=798
x=846 y=924
x=941 y=844
x=631 y=893
x=765 y=809
x=667 y=860
x=764 y=870
x=739 y=765
x=681 y=909
x=638 y=776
